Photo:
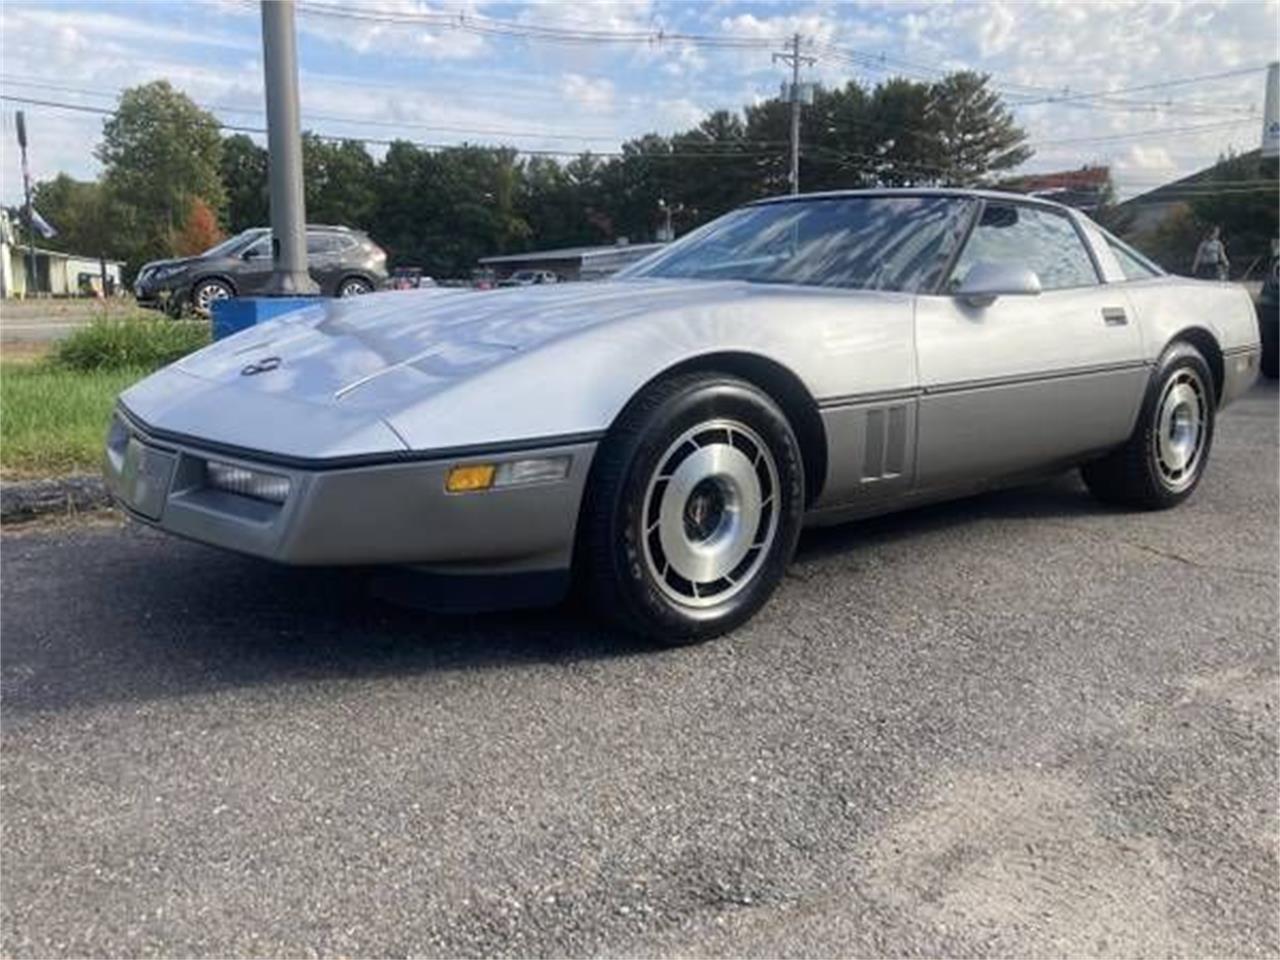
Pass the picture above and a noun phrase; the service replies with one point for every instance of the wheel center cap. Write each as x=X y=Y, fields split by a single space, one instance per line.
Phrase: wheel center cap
x=704 y=511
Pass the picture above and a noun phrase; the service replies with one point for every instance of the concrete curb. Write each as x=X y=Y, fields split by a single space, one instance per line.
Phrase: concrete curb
x=27 y=499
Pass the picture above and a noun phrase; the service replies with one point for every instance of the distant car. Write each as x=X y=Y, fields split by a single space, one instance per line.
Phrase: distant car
x=667 y=432
x=1269 y=320
x=409 y=278
x=529 y=278
x=344 y=262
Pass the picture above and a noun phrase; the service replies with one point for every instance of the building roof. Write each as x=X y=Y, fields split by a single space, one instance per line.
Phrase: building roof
x=1084 y=178
x=21 y=248
x=573 y=253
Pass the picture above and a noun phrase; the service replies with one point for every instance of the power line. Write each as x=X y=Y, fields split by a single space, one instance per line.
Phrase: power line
x=1030 y=94
x=1159 y=85
x=374 y=141
x=492 y=26
x=374 y=122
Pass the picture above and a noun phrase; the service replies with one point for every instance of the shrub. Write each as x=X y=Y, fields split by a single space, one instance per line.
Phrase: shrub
x=136 y=344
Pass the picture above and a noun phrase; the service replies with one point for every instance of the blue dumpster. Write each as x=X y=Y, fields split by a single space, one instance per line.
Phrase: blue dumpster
x=240 y=313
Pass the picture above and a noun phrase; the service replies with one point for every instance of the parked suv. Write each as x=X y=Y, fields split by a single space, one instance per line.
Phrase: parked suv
x=344 y=262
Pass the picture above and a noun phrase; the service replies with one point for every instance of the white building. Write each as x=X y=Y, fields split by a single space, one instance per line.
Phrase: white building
x=58 y=274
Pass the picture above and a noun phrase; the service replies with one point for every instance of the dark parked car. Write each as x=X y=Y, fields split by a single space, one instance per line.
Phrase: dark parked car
x=344 y=262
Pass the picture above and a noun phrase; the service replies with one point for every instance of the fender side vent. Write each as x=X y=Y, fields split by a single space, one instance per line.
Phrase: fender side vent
x=886 y=443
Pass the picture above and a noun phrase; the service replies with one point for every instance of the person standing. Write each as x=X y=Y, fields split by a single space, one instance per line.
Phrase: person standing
x=1211 y=261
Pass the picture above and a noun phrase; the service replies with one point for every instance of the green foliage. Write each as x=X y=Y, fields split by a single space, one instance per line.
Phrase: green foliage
x=54 y=419
x=1173 y=243
x=339 y=180
x=85 y=214
x=244 y=179
x=129 y=344
x=159 y=152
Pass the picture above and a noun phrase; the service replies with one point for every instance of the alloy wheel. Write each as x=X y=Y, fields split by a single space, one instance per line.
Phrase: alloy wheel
x=710 y=513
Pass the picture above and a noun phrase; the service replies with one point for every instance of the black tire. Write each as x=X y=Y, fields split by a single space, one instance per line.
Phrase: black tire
x=1271 y=360
x=354 y=287
x=1141 y=474
x=207 y=290
x=621 y=547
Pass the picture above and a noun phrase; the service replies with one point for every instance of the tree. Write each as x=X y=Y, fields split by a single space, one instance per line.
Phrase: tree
x=973 y=132
x=79 y=210
x=339 y=181
x=199 y=233
x=1237 y=196
x=244 y=179
x=159 y=152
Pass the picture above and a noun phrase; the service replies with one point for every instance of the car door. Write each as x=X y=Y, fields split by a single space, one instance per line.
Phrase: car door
x=253 y=273
x=1029 y=380
x=323 y=260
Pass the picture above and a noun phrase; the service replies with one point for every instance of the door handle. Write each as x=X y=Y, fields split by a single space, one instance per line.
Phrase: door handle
x=1114 y=316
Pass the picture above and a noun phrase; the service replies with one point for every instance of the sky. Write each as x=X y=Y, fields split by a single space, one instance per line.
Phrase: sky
x=377 y=69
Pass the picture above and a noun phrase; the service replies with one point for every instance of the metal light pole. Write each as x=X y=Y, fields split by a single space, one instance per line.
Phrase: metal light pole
x=284 y=150
x=794 y=58
x=33 y=283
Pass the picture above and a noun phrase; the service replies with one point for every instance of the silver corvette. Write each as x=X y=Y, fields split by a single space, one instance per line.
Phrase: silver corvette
x=667 y=433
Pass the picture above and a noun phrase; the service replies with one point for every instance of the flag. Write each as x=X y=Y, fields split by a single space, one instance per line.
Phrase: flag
x=42 y=226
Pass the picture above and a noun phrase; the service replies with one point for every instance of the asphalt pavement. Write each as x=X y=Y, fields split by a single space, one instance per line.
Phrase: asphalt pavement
x=42 y=321
x=1021 y=724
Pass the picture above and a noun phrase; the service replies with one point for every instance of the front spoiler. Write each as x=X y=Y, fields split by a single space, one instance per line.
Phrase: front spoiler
x=390 y=513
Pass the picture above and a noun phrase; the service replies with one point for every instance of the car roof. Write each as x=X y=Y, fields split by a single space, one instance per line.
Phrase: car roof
x=310 y=226
x=961 y=192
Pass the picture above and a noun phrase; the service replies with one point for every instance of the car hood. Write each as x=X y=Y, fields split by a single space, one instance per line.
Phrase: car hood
x=338 y=378
x=371 y=351
x=166 y=264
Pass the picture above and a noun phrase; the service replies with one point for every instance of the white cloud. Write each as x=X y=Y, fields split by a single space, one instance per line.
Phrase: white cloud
x=387 y=28
x=593 y=94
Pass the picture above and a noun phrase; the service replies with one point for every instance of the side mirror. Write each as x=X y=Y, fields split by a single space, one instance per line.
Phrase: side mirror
x=250 y=254
x=987 y=280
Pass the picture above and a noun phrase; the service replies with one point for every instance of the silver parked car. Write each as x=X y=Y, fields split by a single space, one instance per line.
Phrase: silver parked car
x=804 y=360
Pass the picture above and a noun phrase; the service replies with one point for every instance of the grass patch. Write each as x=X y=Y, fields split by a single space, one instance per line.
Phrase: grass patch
x=129 y=344
x=53 y=420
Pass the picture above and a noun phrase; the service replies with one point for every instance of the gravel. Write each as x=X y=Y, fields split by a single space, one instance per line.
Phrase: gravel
x=1021 y=724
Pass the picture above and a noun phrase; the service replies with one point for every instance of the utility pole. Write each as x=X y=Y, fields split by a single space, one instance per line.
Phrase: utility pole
x=794 y=93
x=284 y=152
x=33 y=283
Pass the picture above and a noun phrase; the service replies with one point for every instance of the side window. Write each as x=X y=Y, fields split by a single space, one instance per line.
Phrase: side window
x=319 y=243
x=259 y=250
x=1043 y=240
x=1134 y=265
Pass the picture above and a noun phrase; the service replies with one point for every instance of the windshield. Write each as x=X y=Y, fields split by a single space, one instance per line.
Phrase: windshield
x=856 y=242
x=231 y=244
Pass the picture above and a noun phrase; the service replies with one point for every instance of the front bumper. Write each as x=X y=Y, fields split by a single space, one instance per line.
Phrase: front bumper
x=160 y=294
x=396 y=512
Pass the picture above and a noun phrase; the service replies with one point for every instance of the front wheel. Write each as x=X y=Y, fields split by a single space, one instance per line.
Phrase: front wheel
x=354 y=287
x=1164 y=459
x=206 y=292
x=695 y=507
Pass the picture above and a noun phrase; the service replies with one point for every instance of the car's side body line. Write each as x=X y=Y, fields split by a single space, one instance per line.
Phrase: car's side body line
x=1057 y=374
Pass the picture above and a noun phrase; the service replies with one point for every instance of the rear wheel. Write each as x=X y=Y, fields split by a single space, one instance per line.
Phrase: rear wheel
x=354 y=287
x=695 y=508
x=1164 y=459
